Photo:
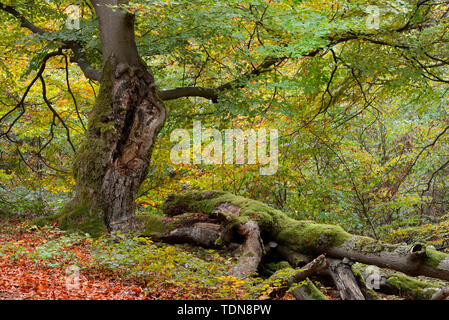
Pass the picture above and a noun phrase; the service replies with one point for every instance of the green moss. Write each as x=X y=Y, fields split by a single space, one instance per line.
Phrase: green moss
x=45 y=221
x=311 y=290
x=153 y=225
x=366 y=244
x=434 y=257
x=82 y=218
x=306 y=236
x=419 y=290
x=276 y=266
x=219 y=242
x=101 y=111
x=358 y=275
x=90 y=163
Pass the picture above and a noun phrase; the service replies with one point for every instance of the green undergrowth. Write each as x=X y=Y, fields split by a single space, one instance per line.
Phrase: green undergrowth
x=190 y=270
x=185 y=272
x=53 y=249
x=436 y=235
x=77 y=219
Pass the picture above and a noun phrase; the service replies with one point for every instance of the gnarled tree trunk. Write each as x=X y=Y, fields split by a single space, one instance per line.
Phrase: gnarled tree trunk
x=113 y=161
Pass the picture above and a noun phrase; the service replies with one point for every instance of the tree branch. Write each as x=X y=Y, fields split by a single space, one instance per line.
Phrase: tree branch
x=78 y=51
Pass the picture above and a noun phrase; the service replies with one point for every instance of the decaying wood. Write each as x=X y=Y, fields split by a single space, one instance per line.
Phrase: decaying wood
x=341 y=273
x=295 y=259
x=443 y=294
x=202 y=234
x=251 y=250
x=307 y=237
x=394 y=283
x=308 y=291
x=282 y=284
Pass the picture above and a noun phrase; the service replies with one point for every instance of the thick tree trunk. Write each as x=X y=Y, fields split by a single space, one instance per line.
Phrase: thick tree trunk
x=113 y=161
x=302 y=237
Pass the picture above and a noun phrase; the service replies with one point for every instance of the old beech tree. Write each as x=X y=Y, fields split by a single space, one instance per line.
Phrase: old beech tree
x=129 y=112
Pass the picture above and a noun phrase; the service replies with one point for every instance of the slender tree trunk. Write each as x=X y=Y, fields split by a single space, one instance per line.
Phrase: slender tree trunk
x=123 y=124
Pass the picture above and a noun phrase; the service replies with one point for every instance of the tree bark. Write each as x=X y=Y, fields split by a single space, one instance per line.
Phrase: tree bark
x=251 y=250
x=341 y=273
x=123 y=124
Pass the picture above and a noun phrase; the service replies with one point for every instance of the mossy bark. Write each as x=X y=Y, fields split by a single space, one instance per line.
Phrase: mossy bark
x=394 y=283
x=308 y=237
x=308 y=291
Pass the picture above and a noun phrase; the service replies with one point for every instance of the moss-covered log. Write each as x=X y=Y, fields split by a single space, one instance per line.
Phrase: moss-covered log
x=394 y=283
x=308 y=291
x=286 y=278
x=308 y=237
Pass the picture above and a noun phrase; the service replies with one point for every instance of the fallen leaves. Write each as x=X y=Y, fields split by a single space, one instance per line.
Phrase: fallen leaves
x=24 y=278
x=47 y=264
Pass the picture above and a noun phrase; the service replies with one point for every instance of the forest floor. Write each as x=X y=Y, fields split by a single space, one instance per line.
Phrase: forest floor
x=47 y=264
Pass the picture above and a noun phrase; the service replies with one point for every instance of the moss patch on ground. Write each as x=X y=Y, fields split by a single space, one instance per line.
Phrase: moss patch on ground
x=154 y=226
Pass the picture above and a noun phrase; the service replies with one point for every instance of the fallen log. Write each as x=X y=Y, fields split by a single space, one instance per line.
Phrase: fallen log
x=308 y=291
x=283 y=280
x=394 y=283
x=306 y=237
x=346 y=283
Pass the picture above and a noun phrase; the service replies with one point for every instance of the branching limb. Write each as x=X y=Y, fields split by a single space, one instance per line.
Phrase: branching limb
x=282 y=285
x=71 y=92
x=21 y=104
x=79 y=55
x=55 y=113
